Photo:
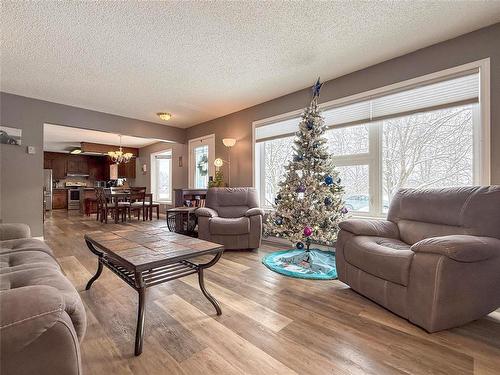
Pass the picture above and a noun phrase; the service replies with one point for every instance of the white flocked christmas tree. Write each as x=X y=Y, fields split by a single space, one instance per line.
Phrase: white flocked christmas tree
x=309 y=203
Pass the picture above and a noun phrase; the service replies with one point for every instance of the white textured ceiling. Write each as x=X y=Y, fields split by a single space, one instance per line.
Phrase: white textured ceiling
x=202 y=60
x=58 y=138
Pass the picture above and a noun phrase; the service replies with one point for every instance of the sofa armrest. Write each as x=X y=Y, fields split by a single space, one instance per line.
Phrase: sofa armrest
x=27 y=312
x=13 y=231
x=371 y=227
x=462 y=248
x=255 y=211
x=206 y=212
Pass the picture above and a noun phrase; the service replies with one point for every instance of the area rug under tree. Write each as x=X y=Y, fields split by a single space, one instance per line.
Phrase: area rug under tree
x=313 y=264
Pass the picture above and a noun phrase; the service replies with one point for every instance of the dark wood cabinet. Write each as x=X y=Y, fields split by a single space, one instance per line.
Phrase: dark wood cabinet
x=59 y=199
x=78 y=164
x=97 y=167
x=62 y=164
x=47 y=163
x=59 y=170
x=127 y=170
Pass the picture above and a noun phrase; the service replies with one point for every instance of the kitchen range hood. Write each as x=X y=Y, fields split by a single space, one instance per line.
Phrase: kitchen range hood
x=77 y=175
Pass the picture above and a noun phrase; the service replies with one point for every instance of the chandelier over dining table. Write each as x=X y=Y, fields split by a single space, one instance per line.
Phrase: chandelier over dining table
x=119 y=156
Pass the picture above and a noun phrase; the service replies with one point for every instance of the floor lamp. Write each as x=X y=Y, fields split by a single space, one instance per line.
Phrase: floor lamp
x=229 y=142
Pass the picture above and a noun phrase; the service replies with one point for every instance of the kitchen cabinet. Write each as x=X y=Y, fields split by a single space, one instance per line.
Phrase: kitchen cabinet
x=77 y=165
x=59 y=199
x=96 y=167
x=59 y=170
x=125 y=170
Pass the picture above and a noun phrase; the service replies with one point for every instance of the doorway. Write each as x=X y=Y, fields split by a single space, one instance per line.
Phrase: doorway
x=201 y=161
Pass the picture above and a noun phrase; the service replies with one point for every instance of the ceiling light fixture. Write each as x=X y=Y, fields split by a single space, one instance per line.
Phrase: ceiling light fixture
x=119 y=156
x=165 y=116
x=76 y=151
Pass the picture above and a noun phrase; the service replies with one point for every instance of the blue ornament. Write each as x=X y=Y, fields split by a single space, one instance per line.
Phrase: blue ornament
x=299 y=245
x=338 y=180
x=298 y=158
x=310 y=125
x=328 y=201
x=276 y=200
x=301 y=189
x=344 y=210
x=328 y=180
x=278 y=221
x=316 y=144
x=278 y=197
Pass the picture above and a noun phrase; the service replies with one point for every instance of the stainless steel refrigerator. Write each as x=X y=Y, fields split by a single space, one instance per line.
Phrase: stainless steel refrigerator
x=47 y=188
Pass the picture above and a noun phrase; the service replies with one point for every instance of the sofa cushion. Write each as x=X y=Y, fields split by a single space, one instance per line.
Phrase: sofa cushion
x=229 y=226
x=24 y=244
x=386 y=258
x=53 y=278
x=14 y=261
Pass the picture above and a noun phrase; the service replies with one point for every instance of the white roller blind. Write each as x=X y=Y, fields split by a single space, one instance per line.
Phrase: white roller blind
x=164 y=156
x=451 y=91
x=277 y=129
x=456 y=90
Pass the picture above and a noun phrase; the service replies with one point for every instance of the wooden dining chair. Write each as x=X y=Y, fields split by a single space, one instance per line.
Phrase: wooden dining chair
x=138 y=202
x=105 y=208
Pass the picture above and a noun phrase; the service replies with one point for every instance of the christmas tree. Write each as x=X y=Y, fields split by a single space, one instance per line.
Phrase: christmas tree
x=309 y=204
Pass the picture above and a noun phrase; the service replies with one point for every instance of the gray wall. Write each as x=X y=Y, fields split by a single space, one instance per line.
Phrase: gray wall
x=179 y=174
x=21 y=174
x=466 y=48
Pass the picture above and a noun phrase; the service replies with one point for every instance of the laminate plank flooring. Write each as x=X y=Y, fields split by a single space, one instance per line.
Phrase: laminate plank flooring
x=270 y=324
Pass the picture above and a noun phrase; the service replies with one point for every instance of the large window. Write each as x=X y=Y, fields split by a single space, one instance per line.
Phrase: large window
x=161 y=176
x=424 y=135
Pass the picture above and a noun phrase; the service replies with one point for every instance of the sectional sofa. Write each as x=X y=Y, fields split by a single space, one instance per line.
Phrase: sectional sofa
x=42 y=318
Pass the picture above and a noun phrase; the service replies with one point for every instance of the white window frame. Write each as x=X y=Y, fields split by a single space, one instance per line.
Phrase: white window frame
x=482 y=146
x=154 y=173
x=208 y=140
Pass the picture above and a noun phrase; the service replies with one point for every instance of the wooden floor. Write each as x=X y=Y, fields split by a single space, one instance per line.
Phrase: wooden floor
x=270 y=324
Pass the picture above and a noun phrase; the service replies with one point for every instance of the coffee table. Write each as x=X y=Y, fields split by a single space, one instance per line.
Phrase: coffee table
x=148 y=256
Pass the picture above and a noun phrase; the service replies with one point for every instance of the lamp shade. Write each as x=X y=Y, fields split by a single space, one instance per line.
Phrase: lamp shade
x=229 y=142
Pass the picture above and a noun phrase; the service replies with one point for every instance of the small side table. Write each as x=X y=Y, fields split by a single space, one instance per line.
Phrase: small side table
x=182 y=220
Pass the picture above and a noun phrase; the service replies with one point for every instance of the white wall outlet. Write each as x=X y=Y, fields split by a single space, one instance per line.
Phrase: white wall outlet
x=31 y=150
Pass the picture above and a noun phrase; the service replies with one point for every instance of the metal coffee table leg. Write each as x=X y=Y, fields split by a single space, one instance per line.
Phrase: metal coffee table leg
x=139 y=332
x=99 y=265
x=201 y=281
x=96 y=276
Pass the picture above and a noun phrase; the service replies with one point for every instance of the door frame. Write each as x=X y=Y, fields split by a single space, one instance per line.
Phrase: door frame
x=208 y=140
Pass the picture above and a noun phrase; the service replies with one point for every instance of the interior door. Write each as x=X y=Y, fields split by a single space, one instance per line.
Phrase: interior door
x=201 y=161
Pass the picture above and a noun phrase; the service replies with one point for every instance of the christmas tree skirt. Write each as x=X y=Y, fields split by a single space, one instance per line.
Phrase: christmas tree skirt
x=315 y=264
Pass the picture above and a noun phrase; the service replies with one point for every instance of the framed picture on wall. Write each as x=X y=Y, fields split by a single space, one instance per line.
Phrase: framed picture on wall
x=10 y=136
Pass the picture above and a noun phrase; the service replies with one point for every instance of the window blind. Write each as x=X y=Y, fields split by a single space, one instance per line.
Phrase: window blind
x=164 y=156
x=425 y=97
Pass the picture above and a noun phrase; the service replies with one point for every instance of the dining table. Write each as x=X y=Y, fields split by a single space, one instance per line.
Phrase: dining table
x=124 y=195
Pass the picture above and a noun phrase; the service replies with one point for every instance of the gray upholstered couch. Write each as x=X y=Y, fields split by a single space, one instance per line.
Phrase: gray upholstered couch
x=436 y=259
x=42 y=318
x=231 y=217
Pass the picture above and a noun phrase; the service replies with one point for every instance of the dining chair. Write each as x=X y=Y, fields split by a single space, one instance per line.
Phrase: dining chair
x=105 y=208
x=138 y=201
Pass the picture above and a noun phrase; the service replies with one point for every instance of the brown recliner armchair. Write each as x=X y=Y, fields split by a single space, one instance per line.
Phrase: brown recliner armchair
x=436 y=259
x=231 y=217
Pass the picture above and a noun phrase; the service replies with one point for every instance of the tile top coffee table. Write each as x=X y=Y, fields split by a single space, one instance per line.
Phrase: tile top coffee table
x=147 y=256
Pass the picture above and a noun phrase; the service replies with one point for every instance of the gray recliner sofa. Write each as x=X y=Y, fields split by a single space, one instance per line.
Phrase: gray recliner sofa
x=42 y=318
x=436 y=259
x=231 y=217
